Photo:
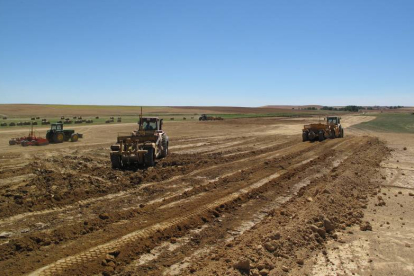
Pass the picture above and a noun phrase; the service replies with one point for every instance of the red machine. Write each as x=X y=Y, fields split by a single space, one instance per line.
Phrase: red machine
x=30 y=140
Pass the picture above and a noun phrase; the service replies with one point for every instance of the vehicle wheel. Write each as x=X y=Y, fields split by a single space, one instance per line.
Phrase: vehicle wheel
x=74 y=137
x=116 y=161
x=304 y=136
x=24 y=143
x=12 y=142
x=321 y=137
x=149 y=158
x=58 y=137
x=342 y=133
x=164 y=151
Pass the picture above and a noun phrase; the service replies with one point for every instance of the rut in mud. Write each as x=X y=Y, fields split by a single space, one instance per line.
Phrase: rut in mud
x=217 y=197
x=195 y=199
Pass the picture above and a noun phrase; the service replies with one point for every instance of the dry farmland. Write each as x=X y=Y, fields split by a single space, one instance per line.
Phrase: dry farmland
x=238 y=196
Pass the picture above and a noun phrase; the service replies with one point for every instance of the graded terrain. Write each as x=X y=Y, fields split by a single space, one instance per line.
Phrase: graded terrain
x=239 y=196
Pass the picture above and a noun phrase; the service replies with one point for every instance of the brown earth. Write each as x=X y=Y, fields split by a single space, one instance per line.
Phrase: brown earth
x=388 y=249
x=233 y=197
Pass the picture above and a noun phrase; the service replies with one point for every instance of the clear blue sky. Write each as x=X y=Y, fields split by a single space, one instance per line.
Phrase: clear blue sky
x=207 y=52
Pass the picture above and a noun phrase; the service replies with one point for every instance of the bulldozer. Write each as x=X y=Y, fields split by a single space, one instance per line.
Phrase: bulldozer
x=332 y=128
x=142 y=146
x=56 y=134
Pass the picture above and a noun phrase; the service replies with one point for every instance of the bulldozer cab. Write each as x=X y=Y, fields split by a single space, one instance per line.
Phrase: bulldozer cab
x=56 y=127
x=150 y=124
x=333 y=120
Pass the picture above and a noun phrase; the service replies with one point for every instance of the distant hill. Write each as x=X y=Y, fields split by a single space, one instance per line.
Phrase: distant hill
x=291 y=106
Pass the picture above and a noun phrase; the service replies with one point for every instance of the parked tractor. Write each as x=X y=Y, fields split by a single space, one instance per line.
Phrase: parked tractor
x=332 y=128
x=57 y=134
x=142 y=146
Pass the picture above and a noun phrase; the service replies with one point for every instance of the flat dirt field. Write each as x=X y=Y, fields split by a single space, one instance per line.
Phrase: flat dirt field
x=234 y=197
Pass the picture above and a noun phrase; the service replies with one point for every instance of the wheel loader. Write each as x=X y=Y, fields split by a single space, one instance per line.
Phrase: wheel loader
x=142 y=146
x=332 y=128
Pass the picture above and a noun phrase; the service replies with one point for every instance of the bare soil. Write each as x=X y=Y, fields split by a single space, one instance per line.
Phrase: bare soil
x=234 y=197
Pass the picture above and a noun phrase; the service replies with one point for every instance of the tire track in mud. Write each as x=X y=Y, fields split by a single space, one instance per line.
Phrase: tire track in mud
x=160 y=200
x=132 y=191
x=278 y=153
x=271 y=156
x=101 y=250
x=246 y=223
x=219 y=147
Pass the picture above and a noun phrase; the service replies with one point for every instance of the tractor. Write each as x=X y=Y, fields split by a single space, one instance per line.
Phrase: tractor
x=320 y=131
x=56 y=134
x=142 y=146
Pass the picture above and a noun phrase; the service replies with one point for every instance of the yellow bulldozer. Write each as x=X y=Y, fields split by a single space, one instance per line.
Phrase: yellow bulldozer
x=331 y=128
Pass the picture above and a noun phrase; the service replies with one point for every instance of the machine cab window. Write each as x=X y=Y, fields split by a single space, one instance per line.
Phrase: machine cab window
x=149 y=125
x=333 y=120
x=57 y=127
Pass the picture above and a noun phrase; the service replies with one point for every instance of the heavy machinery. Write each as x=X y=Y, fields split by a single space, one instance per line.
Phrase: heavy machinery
x=57 y=134
x=204 y=117
x=142 y=146
x=332 y=128
x=29 y=140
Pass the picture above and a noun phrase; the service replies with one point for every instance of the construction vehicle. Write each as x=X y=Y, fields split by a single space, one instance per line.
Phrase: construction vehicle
x=57 y=134
x=142 y=146
x=332 y=128
x=29 y=140
x=204 y=117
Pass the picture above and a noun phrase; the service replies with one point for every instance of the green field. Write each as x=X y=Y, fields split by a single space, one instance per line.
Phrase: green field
x=101 y=120
x=390 y=122
x=166 y=117
x=279 y=114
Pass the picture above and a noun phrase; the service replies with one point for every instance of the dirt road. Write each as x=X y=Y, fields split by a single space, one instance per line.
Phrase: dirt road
x=234 y=196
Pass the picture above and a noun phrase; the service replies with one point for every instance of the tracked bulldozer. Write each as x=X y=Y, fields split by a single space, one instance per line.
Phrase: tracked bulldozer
x=142 y=146
x=331 y=128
